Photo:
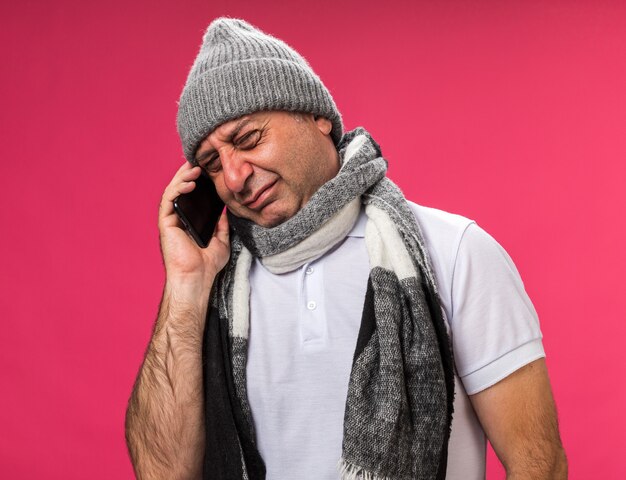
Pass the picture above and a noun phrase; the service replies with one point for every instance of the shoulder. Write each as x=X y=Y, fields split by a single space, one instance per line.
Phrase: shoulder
x=442 y=232
x=434 y=218
x=451 y=239
x=493 y=323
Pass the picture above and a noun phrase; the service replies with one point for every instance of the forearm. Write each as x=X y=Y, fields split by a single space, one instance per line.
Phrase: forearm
x=165 y=418
x=547 y=466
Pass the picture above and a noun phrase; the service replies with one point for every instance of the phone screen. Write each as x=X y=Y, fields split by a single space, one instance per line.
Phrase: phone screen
x=200 y=209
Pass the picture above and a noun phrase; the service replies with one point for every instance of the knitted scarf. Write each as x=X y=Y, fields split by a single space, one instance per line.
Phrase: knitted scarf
x=401 y=389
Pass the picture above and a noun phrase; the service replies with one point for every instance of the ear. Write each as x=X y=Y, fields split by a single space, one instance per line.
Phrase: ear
x=323 y=124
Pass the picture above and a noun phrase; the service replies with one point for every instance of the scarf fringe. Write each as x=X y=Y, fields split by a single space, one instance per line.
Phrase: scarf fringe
x=350 y=471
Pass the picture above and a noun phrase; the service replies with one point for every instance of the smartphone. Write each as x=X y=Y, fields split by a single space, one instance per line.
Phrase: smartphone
x=200 y=210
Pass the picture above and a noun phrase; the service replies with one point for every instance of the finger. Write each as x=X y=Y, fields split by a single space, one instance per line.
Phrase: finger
x=222 y=231
x=182 y=182
x=185 y=166
x=184 y=175
x=178 y=189
x=186 y=172
x=190 y=174
x=166 y=207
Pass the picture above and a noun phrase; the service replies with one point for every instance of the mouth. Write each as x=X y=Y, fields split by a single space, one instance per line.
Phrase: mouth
x=258 y=200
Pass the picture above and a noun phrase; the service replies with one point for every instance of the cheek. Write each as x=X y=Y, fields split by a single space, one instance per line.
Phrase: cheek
x=223 y=192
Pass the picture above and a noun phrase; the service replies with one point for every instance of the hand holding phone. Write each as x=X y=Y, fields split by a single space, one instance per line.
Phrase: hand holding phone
x=200 y=210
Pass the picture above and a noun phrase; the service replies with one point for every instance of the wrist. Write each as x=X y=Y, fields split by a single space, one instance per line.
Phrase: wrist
x=183 y=309
x=188 y=292
x=189 y=282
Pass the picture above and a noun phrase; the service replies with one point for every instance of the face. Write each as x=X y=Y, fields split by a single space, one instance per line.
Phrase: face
x=267 y=165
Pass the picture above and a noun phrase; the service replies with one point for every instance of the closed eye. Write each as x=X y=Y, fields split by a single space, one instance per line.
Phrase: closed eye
x=213 y=164
x=248 y=140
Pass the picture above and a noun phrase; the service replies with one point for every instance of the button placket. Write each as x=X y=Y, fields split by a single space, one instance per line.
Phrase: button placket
x=313 y=316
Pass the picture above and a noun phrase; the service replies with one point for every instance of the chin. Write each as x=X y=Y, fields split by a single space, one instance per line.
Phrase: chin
x=270 y=222
x=270 y=217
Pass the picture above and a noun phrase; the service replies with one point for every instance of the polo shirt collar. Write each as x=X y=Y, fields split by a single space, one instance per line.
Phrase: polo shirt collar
x=358 y=230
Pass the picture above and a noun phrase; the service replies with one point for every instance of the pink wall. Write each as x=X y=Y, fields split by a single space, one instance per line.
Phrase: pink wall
x=511 y=113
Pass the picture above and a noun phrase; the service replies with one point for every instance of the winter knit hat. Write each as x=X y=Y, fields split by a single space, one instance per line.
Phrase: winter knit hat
x=241 y=70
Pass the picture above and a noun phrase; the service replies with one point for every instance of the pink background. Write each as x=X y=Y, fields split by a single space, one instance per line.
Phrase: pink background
x=510 y=113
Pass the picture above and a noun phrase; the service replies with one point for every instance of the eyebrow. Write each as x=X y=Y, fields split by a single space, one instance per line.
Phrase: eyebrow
x=229 y=138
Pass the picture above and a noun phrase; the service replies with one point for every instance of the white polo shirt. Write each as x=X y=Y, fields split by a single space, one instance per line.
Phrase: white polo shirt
x=304 y=326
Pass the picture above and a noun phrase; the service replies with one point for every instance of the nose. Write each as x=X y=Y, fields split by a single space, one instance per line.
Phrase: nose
x=236 y=170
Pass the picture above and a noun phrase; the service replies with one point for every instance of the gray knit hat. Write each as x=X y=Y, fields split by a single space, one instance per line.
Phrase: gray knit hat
x=241 y=70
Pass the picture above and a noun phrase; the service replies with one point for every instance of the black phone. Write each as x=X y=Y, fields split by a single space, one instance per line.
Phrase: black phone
x=200 y=210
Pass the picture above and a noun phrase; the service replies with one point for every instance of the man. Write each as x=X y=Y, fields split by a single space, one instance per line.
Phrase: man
x=311 y=338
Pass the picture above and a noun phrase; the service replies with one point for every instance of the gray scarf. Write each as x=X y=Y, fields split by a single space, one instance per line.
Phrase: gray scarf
x=401 y=390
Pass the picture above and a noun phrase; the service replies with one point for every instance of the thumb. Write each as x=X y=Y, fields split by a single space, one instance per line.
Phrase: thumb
x=222 y=231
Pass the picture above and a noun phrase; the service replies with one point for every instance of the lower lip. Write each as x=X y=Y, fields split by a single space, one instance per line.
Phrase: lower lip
x=259 y=201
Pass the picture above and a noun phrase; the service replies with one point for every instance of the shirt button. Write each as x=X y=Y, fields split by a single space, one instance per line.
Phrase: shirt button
x=309 y=270
x=311 y=305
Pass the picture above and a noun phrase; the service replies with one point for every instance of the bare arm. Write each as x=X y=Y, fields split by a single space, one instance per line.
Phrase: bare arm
x=519 y=417
x=165 y=417
x=164 y=420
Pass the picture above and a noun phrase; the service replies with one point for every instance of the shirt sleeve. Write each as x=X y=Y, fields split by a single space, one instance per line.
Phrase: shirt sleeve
x=494 y=325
